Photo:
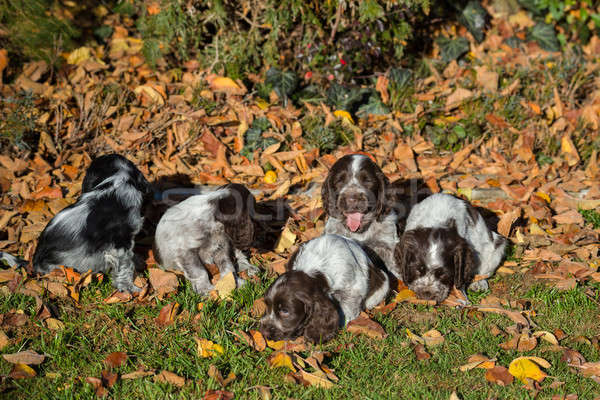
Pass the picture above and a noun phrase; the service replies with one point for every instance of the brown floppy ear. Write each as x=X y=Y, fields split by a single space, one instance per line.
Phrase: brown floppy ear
x=383 y=203
x=407 y=242
x=322 y=320
x=327 y=196
x=465 y=265
x=233 y=211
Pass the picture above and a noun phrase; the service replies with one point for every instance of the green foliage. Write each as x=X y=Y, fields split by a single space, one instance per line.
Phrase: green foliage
x=17 y=119
x=473 y=18
x=453 y=137
x=284 y=83
x=545 y=35
x=254 y=140
x=34 y=29
x=452 y=49
x=591 y=217
x=325 y=138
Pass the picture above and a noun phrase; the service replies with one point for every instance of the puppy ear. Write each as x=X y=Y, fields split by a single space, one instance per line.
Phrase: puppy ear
x=465 y=265
x=322 y=319
x=402 y=253
x=232 y=212
x=383 y=203
x=327 y=196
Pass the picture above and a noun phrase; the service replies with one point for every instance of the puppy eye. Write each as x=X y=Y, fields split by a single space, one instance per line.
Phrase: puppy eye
x=440 y=273
x=284 y=312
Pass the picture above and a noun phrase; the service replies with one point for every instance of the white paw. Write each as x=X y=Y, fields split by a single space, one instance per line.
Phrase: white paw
x=201 y=286
x=127 y=287
x=479 y=286
x=248 y=267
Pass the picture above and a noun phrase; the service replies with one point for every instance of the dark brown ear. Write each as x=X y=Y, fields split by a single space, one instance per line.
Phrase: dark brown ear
x=383 y=203
x=465 y=265
x=233 y=211
x=407 y=243
x=322 y=321
x=328 y=198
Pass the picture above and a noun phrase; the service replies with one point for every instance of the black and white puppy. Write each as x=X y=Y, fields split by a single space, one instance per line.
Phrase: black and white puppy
x=209 y=228
x=355 y=200
x=447 y=242
x=98 y=231
x=329 y=280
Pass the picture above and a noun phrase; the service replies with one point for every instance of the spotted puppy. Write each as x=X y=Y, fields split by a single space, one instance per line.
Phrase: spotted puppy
x=355 y=200
x=446 y=243
x=329 y=280
x=98 y=231
x=210 y=228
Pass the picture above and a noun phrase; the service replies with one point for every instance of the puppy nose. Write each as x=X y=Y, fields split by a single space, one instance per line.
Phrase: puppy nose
x=355 y=201
x=427 y=294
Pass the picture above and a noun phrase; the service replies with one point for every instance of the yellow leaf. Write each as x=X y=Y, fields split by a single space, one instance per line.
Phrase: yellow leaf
x=345 y=115
x=227 y=85
x=207 y=349
x=262 y=104
x=225 y=285
x=543 y=196
x=286 y=240
x=547 y=336
x=535 y=229
x=151 y=93
x=54 y=324
x=278 y=345
x=281 y=359
x=405 y=294
x=414 y=338
x=270 y=177
x=79 y=55
x=316 y=380
x=523 y=368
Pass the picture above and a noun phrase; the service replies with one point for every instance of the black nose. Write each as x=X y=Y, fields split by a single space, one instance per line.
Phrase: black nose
x=355 y=202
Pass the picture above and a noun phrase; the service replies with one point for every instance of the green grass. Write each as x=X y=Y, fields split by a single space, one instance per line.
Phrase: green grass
x=591 y=217
x=367 y=368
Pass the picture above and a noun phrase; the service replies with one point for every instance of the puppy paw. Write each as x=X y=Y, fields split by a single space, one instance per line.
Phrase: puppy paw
x=127 y=288
x=479 y=286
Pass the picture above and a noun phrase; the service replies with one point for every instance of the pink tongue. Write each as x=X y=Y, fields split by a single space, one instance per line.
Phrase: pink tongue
x=353 y=221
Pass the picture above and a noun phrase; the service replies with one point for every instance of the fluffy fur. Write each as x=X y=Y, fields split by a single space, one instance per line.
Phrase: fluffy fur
x=329 y=281
x=447 y=242
x=355 y=200
x=209 y=228
x=98 y=231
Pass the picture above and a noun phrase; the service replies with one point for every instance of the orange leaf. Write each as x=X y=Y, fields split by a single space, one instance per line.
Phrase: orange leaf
x=116 y=359
x=259 y=341
x=153 y=8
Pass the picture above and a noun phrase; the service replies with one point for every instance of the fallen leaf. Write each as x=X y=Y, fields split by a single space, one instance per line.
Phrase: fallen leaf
x=259 y=307
x=22 y=371
x=79 y=55
x=569 y=217
x=298 y=344
x=163 y=281
x=366 y=326
x=259 y=341
x=116 y=359
x=170 y=377
x=507 y=220
x=208 y=349
x=547 y=336
x=28 y=357
x=151 y=93
x=286 y=240
x=404 y=295
x=226 y=85
x=514 y=315
x=420 y=353
x=140 y=373
x=526 y=342
x=109 y=378
x=344 y=115
x=573 y=358
x=477 y=361
x=457 y=97
x=316 y=380
x=225 y=286
x=54 y=324
x=281 y=359
x=167 y=314
x=432 y=338
x=218 y=395
x=499 y=375
x=4 y=340
x=523 y=368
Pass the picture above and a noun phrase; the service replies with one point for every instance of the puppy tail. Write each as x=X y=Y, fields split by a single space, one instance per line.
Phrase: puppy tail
x=12 y=261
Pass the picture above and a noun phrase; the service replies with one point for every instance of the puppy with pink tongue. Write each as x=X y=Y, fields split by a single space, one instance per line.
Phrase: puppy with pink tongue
x=354 y=198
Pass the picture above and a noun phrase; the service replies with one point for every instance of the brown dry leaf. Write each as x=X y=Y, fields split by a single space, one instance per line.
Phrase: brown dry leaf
x=547 y=336
x=3 y=60
x=590 y=369
x=109 y=378
x=507 y=220
x=97 y=385
x=420 y=353
x=573 y=358
x=316 y=380
x=298 y=344
x=218 y=395
x=366 y=326
x=139 y=373
x=28 y=357
x=226 y=85
x=259 y=307
x=457 y=97
x=433 y=338
x=167 y=314
x=116 y=359
x=499 y=375
x=526 y=342
x=569 y=217
x=22 y=371
x=170 y=377
x=487 y=79
x=259 y=341
x=118 y=297
x=56 y=288
x=567 y=148
x=286 y=240
x=478 y=361
x=163 y=281
x=4 y=340
x=225 y=286
x=516 y=316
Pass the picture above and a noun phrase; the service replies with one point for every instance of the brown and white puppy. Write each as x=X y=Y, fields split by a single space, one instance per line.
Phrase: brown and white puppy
x=209 y=228
x=447 y=242
x=329 y=281
x=355 y=200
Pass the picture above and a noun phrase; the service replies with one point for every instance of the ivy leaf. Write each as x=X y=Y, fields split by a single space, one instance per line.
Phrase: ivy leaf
x=537 y=7
x=345 y=98
x=452 y=49
x=400 y=77
x=369 y=10
x=253 y=138
x=310 y=94
x=283 y=82
x=375 y=106
x=473 y=17
x=545 y=36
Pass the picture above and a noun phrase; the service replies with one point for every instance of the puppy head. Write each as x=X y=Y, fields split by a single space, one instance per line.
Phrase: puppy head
x=297 y=305
x=111 y=165
x=355 y=191
x=234 y=211
x=432 y=260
